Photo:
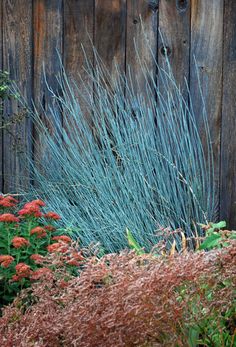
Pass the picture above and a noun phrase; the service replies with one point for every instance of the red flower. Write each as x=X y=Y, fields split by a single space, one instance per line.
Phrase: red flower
x=7 y=201
x=52 y=215
x=32 y=210
x=37 y=258
x=8 y=218
x=49 y=228
x=6 y=260
x=39 y=231
x=15 y=278
x=37 y=274
x=22 y=270
x=62 y=238
x=19 y=242
x=22 y=267
x=37 y=202
x=57 y=247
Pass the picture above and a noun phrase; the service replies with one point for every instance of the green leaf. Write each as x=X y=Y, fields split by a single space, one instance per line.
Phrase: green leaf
x=211 y=241
x=193 y=336
x=219 y=225
x=133 y=243
x=233 y=236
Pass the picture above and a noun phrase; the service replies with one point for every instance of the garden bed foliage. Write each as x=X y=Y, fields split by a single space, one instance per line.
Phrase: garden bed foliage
x=27 y=235
x=127 y=300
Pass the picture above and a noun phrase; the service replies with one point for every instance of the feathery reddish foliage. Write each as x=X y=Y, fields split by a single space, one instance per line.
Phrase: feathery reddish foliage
x=124 y=300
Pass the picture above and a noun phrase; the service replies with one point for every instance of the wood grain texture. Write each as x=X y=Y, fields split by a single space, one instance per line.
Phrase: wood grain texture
x=206 y=47
x=142 y=34
x=109 y=35
x=1 y=113
x=47 y=42
x=17 y=54
x=174 y=38
x=228 y=141
x=78 y=32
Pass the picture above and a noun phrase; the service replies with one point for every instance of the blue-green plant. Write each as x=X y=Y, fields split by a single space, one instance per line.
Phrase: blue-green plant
x=139 y=164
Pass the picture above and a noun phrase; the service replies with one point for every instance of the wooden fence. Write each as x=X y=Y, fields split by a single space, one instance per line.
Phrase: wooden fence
x=32 y=31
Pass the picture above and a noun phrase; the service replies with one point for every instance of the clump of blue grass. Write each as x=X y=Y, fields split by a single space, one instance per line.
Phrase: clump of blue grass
x=139 y=163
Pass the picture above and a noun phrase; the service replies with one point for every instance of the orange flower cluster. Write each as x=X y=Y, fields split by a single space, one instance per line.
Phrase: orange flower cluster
x=67 y=252
x=19 y=242
x=62 y=238
x=30 y=210
x=59 y=247
x=37 y=258
x=50 y=228
x=52 y=215
x=6 y=260
x=8 y=218
x=39 y=231
x=7 y=201
x=22 y=271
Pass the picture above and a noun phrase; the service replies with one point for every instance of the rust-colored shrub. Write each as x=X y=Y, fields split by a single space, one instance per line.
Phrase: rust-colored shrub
x=127 y=300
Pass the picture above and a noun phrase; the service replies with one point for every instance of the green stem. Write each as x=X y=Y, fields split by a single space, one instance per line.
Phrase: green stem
x=29 y=227
x=8 y=239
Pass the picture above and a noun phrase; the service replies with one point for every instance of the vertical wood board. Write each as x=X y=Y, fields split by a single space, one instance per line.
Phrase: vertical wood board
x=109 y=35
x=228 y=128
x=206 y=49
x=174 y=39
x=77 y=46
x=17 y=54
x=141 y=43
x=47 y=43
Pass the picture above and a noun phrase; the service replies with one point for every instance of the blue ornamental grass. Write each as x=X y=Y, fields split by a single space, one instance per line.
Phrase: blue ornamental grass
x=139 y=163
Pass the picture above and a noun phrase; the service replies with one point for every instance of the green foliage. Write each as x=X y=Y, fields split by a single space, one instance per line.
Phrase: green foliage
x=6 y=91
x=215 y=236
x=24 y=242
x=213 y=331
x=125 y=299
x=133 y=244
x=4 y=85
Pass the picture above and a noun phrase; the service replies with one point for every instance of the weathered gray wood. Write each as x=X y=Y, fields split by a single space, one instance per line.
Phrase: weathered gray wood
x=1 y=114
x=174 y=38
x=78 y=32
x=47 y=41
x=142 y=33
x=228 y=140
x=17 y=54
x=206 y=47
x=109 y=34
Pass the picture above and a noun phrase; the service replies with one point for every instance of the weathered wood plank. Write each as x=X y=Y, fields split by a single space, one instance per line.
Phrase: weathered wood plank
x=142 y=32
x=17 y=54
x=206 y=47
x=1 y=114
x=228 y=139
x=174 y=38
x=78 y=30
x=47 y=41
x=109 y=35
